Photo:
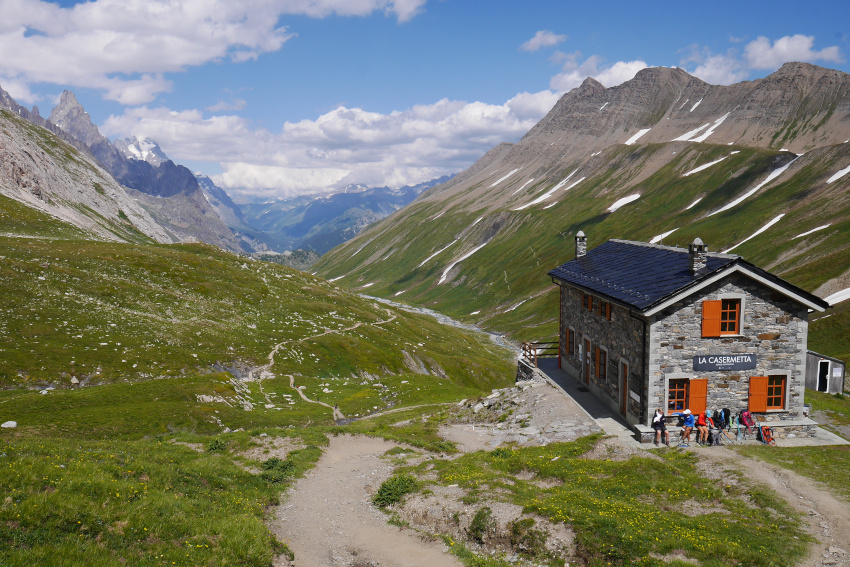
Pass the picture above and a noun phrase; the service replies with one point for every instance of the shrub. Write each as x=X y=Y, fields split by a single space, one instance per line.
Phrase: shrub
x=481 y=522
x=216 y=446
x=277 y=470
x=393 y=490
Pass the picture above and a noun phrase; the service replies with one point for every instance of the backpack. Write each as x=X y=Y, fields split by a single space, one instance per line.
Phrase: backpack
x=747 y=420
x=767 y=435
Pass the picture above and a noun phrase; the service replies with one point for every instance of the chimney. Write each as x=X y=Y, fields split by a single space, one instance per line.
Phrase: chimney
x=696 y=256
x=581 y=244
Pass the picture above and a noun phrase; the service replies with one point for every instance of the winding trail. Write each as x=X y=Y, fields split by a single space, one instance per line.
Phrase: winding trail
x=266 y=368
x=328 y=519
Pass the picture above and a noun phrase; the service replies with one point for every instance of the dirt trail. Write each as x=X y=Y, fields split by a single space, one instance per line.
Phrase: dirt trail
x=828 y=517
x=328 y=519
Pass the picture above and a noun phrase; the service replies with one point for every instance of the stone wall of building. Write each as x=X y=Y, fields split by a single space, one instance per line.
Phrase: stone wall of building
x=621 y=337
x=773 y=327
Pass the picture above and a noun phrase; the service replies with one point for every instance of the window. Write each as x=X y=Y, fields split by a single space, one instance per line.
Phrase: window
x=605 y=309
x=685 y=393
x=571 y=342
x=767 y=393
x=776 y=392
x=729 y=316
x=585 y=299
x=600 y=358
x=677 y=395
x=721 y=317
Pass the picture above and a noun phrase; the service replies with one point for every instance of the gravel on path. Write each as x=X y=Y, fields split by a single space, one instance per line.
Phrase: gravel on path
x=328 y=519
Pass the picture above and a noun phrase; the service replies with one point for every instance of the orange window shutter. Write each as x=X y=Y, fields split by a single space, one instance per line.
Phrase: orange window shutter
x=596 y=360
x=711 y=318
x=758 y=394
x=608 y=311
x=698 y=395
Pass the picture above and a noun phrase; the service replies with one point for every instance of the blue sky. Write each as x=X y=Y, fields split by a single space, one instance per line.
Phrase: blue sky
x=280 y=97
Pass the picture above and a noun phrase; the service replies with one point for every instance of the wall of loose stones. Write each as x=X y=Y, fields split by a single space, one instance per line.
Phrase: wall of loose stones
x=774 y=328
x=621 y=337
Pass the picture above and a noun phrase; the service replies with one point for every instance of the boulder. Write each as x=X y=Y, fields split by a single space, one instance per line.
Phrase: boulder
x=9 y=424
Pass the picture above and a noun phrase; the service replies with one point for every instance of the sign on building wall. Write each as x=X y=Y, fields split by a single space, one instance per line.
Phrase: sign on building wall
x=720 y=362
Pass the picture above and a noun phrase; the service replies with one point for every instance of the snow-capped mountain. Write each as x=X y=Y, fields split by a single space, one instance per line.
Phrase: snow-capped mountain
x=141 y=150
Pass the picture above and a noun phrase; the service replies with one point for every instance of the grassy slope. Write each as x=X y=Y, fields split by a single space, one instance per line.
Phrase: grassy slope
x=93 y=475
x=512 y=267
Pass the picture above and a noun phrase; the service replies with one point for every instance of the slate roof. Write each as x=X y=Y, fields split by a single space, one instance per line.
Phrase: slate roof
x=642 y=275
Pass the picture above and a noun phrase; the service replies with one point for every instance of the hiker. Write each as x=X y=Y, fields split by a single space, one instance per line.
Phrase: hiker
x=659 y=425
x=703 y=422
x=687 y=427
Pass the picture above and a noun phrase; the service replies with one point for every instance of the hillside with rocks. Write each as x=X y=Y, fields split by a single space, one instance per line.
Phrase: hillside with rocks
x=50 y=176
x=756 y=168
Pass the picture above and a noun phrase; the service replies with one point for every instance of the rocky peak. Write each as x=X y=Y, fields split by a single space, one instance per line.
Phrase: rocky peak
x=141 y=150
x=71 y=117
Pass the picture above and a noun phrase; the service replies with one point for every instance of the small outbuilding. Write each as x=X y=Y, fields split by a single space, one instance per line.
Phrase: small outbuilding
x=824 y=373
x=646 y=326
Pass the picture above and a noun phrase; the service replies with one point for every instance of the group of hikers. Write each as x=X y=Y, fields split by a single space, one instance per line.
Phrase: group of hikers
x=703 y=423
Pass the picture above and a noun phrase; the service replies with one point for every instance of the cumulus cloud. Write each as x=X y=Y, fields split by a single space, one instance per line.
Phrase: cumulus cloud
x=343 y=146
x=125 y=47
x=759 y=54
x=543 y=38
x=574 y=73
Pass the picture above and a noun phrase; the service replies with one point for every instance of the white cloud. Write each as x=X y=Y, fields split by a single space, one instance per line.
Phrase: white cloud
x=125 y=47
x=573 y=73
x=543 y=38
x=721 y=70
x=345 y=145
x=760 y=54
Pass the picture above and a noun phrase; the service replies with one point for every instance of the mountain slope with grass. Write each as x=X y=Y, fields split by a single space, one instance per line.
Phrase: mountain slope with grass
x=155 y=399
x=757 y=168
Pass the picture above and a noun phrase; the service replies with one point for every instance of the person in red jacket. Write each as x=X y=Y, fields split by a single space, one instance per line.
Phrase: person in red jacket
x=704 y=421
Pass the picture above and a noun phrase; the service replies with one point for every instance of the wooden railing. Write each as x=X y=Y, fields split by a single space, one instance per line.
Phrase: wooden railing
x=532 y=351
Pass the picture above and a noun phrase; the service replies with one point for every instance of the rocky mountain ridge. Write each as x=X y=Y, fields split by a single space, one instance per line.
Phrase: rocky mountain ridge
x=756 y=168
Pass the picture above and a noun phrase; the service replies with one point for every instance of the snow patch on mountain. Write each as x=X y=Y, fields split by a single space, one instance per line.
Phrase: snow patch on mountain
x=459 y=260
x=696 y=104
x=662 y=236
x=637 y=136
x=810 y=231
x=694 y=204
x=624 y=201
x=704 y=166
x=839 y=174
x=423 y=262
x=711 y=130
x=773 y=175
x=551 y=191
x=521 y=188
x=756 y=233
x=505 y=177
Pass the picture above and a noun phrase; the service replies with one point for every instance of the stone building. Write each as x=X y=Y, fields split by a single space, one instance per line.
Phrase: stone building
x=647 y=326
